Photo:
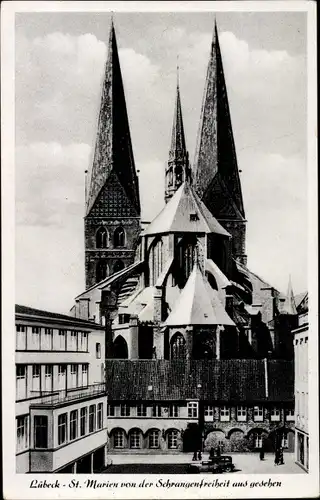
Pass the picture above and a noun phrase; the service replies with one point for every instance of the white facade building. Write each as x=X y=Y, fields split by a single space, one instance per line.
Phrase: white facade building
x=301 y=389
x=61 y=403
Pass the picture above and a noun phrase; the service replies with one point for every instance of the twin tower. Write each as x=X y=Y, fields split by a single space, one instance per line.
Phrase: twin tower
x=112 y=214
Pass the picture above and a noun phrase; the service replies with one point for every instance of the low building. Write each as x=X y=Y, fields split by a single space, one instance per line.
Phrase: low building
x=61 y=403
x=162 y=406
x=301 y=335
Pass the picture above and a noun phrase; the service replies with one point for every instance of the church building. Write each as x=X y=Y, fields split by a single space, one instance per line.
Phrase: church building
x=199 y=349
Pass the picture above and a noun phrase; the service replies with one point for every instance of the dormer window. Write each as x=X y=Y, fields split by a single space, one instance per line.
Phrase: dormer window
x=194 y=217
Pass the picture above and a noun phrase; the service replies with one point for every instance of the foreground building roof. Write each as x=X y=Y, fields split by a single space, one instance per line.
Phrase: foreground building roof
x=215 y=380
x=32 y=314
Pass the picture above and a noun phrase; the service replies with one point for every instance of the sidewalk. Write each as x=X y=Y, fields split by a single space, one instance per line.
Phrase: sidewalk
x=248 y=463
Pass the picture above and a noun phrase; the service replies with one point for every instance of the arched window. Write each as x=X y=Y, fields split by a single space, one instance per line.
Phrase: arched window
x=118 y=266
x=135 y=439
x=178 y=347
x=120 y=348
x=101 y=270
x=102 y=238
x=119 y=237
x=187 y=256
x=172 y=439
x=154 y=441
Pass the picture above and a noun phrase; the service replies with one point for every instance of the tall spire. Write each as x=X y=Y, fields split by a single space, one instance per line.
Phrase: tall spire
x=215 y=168
x=178 y=167
x=289 y=306
x=113 y=149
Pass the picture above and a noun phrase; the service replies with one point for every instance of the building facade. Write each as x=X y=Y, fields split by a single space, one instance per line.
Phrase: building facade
x=61 y=402
x=188 y=300
x=301 y=335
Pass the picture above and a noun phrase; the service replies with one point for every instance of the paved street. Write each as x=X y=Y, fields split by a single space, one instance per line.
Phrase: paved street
x=248 y=463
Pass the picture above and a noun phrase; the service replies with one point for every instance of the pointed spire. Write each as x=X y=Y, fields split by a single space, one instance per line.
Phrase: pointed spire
x=178 y=168
x=289 y=306
x=113 y=149
x=215 y=158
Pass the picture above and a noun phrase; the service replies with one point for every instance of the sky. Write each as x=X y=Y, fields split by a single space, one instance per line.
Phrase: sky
x=60 y=59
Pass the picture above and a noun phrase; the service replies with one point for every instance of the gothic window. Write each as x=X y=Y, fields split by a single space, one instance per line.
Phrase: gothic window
x=187 y=256
x=101 y=270
x=178 y=175
x=170 y=177
x=119 y=237
x=118 y=266
x=178 y=347
x=102 y=238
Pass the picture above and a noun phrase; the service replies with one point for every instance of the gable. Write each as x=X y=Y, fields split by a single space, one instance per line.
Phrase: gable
x=112 y=201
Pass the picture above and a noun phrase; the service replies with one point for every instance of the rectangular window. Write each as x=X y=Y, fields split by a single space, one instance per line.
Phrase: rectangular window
x=224 y=414
x=156 y=411
x=135 y=439
x=73 y=425
x=62 y=340
x=192 y=410
x=22 y=433
x=275 y=414
x=83 y=341
x=118 y=439
x=83 y=421
x=92 y=418
x=73 y=376
x=173 y=411
x=154 y=439
x=40 y=431
x=47 y=339
x=21 y=382
x=35 y=338
x=258 y=441
x=73 y=340
x=100 y=416
x=172 y=440
x=84 y=375
x=124 y=411
x=141 y=411
x=62 y=428
x=111 y=411
x=290 y=415
x=98 y=350
x=258 y=413
x=209 y=413
x=21 y=338
x=62 y=370
x=48 y=374
x=241 y=414
x=35 y=379
x=284 y=442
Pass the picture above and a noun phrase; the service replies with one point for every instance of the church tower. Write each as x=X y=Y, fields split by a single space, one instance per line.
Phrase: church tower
x=112 y=220
x=216 y=173
x=178 y=167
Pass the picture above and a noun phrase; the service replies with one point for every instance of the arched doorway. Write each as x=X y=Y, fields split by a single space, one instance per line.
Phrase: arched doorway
x=120 y=348
x=237 y=440
x=145 y=342
x=192 y=439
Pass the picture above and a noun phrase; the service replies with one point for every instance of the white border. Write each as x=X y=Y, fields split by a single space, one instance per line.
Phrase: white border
x=17 y=486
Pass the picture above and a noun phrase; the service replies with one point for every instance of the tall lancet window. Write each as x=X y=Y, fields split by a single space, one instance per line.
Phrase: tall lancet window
x=187 y=257
x=119 y=237
x=101 y=270
x=178 y=346
x=102 y=238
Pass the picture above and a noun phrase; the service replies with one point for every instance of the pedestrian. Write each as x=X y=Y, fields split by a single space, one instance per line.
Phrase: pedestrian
x=276 y=457
x=261 y=453
x=211 y=454
x=281 y=459
x=194 y=456
x=199 y=455
x=218 y=451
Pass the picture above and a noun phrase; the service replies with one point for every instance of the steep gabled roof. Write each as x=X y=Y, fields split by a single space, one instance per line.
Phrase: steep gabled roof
x=113 y=149
x=198 y=304
x=185 y=212
x=215 y=148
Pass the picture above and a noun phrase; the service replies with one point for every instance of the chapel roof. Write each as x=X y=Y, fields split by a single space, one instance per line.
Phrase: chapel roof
x=198 y=304
x=185 y=213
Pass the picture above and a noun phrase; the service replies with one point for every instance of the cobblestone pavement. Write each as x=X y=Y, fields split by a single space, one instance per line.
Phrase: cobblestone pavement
x=246 y=463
